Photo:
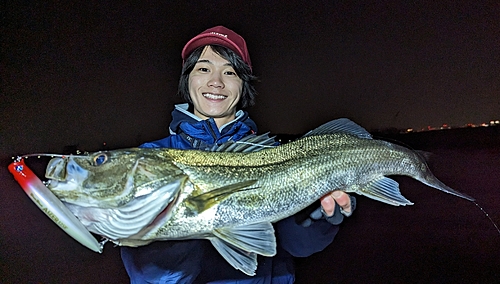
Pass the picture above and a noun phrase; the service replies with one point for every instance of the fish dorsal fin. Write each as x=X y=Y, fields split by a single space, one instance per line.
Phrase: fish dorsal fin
x=341 y=125
x=240 y=245
x=250 y=143
x=385 y=190
x=202 y=202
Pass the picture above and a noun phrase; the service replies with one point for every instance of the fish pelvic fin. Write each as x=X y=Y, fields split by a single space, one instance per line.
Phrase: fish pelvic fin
x=240 y=245
x=202 y=202
x=384 y=190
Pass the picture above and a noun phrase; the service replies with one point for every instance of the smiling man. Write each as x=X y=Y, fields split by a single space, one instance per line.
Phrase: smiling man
x=214 y=88
x=217 y=83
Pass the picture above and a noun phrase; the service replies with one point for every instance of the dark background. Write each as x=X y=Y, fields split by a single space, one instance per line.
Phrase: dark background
x=88 y=72
x=99 y=72
x=439 y=239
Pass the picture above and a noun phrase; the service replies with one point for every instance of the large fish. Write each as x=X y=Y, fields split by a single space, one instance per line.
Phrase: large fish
x=230 y=197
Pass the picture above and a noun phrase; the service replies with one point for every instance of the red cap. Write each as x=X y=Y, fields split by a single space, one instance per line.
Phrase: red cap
x=218 y=36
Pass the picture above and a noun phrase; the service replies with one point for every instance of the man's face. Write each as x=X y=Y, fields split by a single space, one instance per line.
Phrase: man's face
x=214 y=87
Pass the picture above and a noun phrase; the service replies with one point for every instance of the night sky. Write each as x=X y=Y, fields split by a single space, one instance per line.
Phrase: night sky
x=100 y=71
x=107 y=71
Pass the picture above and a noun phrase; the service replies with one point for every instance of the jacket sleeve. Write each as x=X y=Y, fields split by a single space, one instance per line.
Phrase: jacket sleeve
x=302 y=241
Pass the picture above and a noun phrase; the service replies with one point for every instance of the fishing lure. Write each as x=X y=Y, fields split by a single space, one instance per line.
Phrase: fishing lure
x=51 y=205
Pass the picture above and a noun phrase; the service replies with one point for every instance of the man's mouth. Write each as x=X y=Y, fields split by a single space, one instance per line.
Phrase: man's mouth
x=214 y=96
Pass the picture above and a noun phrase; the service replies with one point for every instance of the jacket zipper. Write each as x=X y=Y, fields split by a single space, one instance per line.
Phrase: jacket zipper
x=212 y=132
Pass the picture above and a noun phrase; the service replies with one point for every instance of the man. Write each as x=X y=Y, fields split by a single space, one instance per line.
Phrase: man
x=216 y=81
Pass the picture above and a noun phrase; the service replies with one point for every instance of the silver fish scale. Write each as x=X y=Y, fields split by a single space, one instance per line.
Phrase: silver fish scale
x=292 y=176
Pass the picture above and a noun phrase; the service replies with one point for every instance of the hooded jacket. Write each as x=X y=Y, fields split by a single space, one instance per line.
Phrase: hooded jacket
x=197 y=261
x=191 y=132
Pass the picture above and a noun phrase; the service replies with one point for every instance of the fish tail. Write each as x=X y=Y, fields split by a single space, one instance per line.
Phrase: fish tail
x=436 y=183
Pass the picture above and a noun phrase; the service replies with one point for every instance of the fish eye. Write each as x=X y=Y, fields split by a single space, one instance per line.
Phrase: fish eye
x=100 y=159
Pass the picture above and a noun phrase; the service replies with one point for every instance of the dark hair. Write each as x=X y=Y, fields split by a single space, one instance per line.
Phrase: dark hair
x=243 y=71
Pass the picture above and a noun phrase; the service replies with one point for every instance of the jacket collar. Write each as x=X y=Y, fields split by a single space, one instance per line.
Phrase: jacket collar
x=206 y=132
x=181 y=114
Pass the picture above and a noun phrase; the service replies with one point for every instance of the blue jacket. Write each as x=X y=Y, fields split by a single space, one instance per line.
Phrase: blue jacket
x=197 y=261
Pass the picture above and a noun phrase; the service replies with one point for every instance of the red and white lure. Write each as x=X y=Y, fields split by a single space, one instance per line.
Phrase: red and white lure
x=51 y=205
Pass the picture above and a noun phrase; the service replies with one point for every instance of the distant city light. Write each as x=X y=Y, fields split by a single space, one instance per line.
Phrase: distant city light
x=445 y=126
x=492 y=122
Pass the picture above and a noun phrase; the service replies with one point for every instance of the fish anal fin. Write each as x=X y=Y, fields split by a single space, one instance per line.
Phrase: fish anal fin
x=240 y=245
x=258 y=237
x=238 y=258
x=384 y=190
x=202 y=202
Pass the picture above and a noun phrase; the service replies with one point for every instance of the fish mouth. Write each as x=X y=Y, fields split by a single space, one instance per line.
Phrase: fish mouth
x=64 y=176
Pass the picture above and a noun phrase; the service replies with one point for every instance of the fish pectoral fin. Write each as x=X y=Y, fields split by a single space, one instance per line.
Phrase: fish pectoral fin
x=240 y=245
x=202 y=202
x=385 y=190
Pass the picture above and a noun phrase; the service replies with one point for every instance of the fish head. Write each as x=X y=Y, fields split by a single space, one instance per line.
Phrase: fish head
x=110 y=178
x=118 y=193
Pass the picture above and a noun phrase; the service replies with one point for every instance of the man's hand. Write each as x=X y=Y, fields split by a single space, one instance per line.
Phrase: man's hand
x=334 y=206
x=342 y=199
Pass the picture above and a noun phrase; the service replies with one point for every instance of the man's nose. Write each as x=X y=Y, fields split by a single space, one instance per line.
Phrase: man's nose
x=216 y=81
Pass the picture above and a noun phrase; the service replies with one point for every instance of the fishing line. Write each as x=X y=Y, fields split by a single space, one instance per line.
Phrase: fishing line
x=487 y=215
x=48 y=155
